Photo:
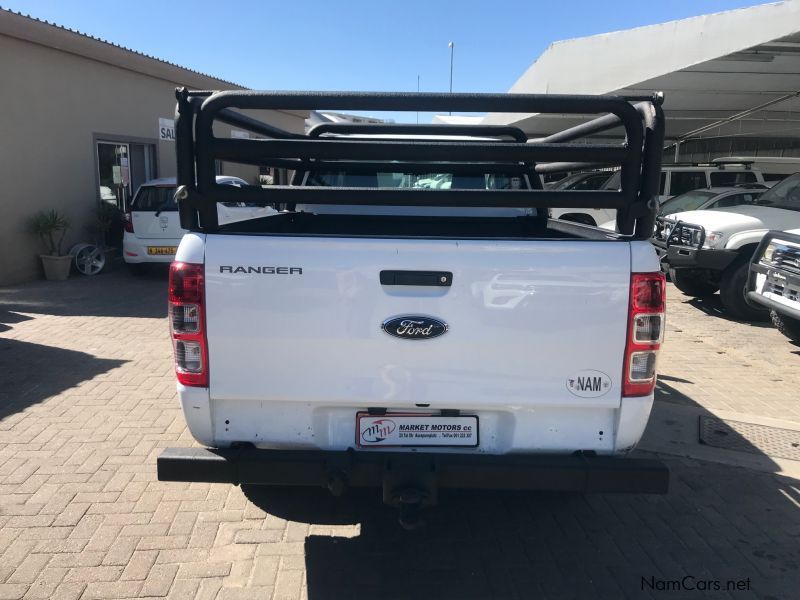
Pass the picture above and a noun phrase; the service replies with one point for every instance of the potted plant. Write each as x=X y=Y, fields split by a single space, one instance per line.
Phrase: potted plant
x=51 y=227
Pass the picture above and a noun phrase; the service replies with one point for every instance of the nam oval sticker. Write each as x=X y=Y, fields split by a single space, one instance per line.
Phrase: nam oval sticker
x=588 y=384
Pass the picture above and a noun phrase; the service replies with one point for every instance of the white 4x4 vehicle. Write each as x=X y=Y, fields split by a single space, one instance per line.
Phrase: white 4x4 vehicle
x=380 y=333
x=709 y=250
x=775 y=280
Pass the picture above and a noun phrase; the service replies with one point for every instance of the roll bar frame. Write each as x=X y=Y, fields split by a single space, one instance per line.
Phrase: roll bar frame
x=461 y=148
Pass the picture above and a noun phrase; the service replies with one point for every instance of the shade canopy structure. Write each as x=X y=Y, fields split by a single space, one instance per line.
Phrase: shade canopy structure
x=728 y=74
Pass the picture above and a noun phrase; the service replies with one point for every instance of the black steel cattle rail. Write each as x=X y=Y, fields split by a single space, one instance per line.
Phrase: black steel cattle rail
x=487 y=149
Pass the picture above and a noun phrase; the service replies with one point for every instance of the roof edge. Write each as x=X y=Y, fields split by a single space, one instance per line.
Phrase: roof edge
x=44 y=33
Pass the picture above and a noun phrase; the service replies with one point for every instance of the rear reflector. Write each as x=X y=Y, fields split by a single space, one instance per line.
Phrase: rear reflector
x=187 y=323
x=646 y=313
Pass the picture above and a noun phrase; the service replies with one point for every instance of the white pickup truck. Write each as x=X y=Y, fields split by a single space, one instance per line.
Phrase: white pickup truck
x=377 y=332
x=709 y=250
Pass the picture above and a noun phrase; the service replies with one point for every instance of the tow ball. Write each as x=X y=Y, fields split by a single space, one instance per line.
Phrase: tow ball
x=409 y=489
x=410 y=502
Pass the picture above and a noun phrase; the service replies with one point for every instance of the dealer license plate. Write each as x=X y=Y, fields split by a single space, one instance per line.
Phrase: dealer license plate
x=161 y=250
x=405 y=429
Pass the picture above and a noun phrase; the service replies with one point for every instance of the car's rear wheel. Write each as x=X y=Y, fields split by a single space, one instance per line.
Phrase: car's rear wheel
x=786 y=325
x=692 y=283
x=732 y=292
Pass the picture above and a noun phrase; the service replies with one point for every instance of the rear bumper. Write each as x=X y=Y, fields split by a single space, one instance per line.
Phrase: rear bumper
x=576 y=473
x=134 y=250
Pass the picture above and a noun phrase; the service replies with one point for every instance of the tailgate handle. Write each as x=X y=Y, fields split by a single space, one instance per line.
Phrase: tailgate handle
x=429 y=278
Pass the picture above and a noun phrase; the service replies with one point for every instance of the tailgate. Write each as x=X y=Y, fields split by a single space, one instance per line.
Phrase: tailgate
x=149 y=226
x=300 y=319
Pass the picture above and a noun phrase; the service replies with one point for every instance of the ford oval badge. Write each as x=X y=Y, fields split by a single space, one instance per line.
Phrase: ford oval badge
x=414 y=327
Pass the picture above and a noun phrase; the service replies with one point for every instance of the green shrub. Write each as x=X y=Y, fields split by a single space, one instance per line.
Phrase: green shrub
x=51 y=227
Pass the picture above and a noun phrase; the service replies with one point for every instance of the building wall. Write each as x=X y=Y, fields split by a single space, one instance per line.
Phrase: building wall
x=53 y=106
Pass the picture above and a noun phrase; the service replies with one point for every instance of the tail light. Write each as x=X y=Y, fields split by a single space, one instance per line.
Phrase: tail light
x=646 y=321
x=128 y=222
x=187 y=323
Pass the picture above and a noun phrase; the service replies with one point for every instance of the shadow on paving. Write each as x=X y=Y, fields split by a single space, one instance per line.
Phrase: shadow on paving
x=717 y=523
x=9 y=318
x=720 y=524
x=712 y=306
x=31 y=373
x=113 y=294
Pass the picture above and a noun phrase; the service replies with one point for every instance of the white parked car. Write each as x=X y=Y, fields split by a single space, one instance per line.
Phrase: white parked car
x=709 y=250
x=675 y=180
x=589 y=180
x=153 y=230
x=679 y=179
x=773 y=168
x=709 y=198
x=775 y=280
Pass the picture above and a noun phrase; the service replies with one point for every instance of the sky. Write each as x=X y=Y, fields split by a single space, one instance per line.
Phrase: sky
x=377 y=45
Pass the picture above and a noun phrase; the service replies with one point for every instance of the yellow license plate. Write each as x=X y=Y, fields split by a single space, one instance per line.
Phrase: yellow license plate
x=161 y=250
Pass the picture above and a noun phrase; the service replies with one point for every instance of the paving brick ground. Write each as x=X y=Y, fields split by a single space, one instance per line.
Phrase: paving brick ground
x=87 y=402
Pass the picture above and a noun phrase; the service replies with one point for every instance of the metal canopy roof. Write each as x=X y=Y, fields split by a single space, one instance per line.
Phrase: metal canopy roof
x=734 y=73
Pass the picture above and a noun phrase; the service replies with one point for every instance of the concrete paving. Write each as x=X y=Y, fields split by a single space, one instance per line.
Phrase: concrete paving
x=87 y=401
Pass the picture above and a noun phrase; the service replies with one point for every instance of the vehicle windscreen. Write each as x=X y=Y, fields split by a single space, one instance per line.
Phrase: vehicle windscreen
x=586 y=181
x=688 y=201
x=567 y=181
x=785 y=194
x=155 y=198
x=400 y=179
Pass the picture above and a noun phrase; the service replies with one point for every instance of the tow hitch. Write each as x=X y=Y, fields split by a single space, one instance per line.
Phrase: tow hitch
x=410 y=485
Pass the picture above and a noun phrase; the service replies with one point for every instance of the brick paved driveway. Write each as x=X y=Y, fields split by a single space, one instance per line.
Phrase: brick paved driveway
x=87 y=401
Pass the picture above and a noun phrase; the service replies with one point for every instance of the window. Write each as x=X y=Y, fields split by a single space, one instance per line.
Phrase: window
x=152 y=198
x=734 y=200
x=663 y=185
x=785 y=194
x=398 y=179
x=685 y=181
x=121 y=168
x=774 y=176
x=730 y=178
x=593 y=182
x=113 y=173
x=688 y=201
x=614 y=182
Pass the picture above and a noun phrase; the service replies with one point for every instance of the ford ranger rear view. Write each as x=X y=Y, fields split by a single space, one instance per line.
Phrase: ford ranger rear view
x=380 y=331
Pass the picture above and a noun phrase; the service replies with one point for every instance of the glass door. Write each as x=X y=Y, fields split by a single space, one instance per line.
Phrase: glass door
x=142 y=164
x=113 y=168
